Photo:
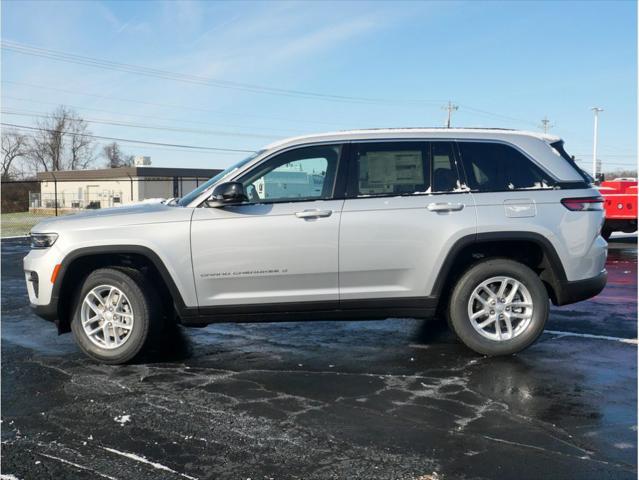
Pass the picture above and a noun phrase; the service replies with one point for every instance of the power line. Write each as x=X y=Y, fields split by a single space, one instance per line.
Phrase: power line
x=127 y=140
x=479 y=111
x=172 y=149
x=628 y=155
x=165 y=105
x=188 y=78
x=147 y=126
x=464 y=107
x=155 y=117
x=207 y=81
x=614 y=164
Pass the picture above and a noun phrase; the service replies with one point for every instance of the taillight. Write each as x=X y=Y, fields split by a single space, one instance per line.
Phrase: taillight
x=587 y=204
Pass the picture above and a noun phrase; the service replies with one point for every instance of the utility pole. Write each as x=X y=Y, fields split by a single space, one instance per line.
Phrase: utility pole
x=451 y=108
x=594 y=146
x=545 y=124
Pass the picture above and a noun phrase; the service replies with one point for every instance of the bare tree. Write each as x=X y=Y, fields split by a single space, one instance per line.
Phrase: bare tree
x=115 y=158
x=80 y=144
x=620 y=173
x=62 y=142
x=14 y=146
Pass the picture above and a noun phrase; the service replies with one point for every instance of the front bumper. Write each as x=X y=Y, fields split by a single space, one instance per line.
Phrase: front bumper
x=39 y=265
x=49 y=312
x=573 y=292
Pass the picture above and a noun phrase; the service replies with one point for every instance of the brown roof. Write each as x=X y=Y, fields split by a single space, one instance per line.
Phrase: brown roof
x=126 y=172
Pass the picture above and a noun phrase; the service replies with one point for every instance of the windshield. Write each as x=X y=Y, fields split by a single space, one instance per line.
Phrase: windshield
x=185 y=200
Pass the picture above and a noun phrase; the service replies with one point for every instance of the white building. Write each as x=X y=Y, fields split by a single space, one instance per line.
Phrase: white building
x=80 y=189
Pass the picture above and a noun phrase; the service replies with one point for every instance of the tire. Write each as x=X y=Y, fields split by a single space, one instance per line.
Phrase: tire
x=139 y=307
x=524 y=331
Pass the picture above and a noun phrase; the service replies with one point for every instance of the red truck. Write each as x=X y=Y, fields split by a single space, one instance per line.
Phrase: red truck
x=620 y=197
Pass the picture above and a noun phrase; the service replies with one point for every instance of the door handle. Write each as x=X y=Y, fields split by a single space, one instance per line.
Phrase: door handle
x=445 y=207
x=313 y=213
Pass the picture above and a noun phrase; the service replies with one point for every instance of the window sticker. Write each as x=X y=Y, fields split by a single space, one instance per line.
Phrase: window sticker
x=381 y=171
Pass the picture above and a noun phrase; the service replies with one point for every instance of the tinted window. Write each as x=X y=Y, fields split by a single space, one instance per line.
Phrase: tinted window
x=391 y=168
x=399 y=168
x=184 y=201
x=561 y=150
x=304 y=173
x=444 y=172
x=499 y=167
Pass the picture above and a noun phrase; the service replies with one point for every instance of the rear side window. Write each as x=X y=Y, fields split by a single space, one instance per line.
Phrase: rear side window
x=560 y=149
x=495 y=167
x=443 y=168
x=391 y=168
x=403 y=168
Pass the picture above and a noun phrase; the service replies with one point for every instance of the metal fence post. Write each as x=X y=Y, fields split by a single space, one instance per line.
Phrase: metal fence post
x=55 y=193
x=131 y=179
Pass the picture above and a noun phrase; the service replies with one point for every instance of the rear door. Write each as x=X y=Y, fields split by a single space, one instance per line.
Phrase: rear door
x=404 y=210
x=509 y=190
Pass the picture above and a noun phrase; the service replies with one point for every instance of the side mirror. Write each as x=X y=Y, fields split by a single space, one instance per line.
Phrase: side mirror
x=227 y=193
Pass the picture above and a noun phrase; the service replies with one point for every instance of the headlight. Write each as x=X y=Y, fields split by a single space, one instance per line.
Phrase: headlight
x=43 y=240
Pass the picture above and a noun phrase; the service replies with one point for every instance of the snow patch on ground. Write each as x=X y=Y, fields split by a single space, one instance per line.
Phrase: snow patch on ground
x=139 y=458
x=122 y=419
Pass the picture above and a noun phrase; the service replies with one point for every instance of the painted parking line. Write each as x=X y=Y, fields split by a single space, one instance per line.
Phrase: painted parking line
x=632 y=341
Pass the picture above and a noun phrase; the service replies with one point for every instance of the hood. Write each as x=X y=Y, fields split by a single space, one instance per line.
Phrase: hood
x=134 y=214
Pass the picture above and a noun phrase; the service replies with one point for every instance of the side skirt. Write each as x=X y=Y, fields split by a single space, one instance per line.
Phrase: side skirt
x=373 y=309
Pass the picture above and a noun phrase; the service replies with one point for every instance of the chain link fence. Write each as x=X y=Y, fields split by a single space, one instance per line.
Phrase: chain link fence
x=27 y=202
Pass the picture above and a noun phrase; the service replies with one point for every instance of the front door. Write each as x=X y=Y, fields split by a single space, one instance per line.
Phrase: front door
x=405 y=209
x=282 y=245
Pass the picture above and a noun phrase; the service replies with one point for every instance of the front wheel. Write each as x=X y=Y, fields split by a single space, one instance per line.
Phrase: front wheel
x=498 y=307
x=116 y=315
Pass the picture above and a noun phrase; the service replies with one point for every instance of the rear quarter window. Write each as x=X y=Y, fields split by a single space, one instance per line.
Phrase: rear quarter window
x=496 y=167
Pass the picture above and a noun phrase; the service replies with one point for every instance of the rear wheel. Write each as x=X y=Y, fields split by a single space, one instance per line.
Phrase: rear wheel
x=116 y=315
x=498 y=307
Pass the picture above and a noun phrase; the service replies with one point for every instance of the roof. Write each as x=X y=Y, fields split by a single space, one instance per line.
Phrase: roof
x=128 y=172
x=372 y=133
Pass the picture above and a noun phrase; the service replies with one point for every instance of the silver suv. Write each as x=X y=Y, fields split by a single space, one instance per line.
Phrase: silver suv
x=481 y=226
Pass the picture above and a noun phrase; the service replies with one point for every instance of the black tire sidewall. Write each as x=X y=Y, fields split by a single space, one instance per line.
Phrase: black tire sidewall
x=141 y=312
x=458 y=308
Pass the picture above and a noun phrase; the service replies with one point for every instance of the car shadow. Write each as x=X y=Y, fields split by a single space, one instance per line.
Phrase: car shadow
x=434 y=330
x=173 y=345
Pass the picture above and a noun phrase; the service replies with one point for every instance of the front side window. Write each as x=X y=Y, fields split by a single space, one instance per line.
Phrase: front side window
x=184 y=201
x=496 y=167
x=306 y=173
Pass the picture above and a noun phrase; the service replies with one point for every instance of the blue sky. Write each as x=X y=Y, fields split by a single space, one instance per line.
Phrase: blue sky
x=507 y=64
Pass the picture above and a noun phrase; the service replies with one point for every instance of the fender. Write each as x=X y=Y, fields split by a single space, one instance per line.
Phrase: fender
x=557 y=277
x=146 y=252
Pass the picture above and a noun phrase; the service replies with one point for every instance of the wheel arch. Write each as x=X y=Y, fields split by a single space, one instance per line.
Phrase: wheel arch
x=75 y=267
x=530 y=248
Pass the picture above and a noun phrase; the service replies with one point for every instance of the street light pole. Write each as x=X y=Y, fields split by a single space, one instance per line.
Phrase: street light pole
x=594 y=146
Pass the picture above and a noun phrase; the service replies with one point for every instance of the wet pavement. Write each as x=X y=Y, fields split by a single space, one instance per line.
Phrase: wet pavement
x=394 y=399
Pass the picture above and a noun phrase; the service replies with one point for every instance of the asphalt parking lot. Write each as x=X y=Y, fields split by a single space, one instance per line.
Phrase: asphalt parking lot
x=394 y=399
